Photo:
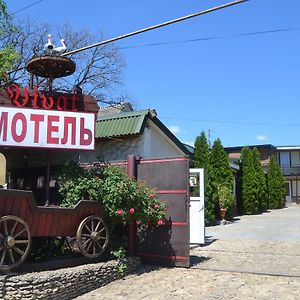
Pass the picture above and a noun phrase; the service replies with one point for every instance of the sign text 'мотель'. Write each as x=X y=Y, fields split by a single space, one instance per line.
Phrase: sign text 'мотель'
x=46 y=128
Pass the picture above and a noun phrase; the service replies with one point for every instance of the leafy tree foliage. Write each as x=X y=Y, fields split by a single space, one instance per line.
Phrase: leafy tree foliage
x=260 y=179
x=8 y=55
x=276 y=186
x=202 y=160
x=248 y=183
x=221 y=174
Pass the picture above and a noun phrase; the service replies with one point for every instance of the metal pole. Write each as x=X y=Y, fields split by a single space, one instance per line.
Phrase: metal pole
x=131 y=172
x=155 y=27
x=47 y=181
x=48 y=166
x=31 y=81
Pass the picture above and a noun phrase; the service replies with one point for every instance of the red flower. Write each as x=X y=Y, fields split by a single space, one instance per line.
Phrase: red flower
x=156 y=206
x=120 y=212
x=131 y=210
x=160 y=222
x=151 y=196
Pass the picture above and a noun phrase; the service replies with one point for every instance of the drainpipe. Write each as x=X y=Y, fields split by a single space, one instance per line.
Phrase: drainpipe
x=131 y=172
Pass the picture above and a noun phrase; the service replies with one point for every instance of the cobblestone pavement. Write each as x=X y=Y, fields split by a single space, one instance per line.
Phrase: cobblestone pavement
x=230 y=266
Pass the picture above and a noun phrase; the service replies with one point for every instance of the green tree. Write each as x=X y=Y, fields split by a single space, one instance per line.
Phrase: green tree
x=7 y=54
x=276 y=186
x=248 y=183
x=260 y=179
x=202 y=160
x=202 y=155
x=221 y=174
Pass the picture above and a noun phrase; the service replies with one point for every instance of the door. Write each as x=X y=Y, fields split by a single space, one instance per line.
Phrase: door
x=168 y=244
x=288 y=194
x=197 y=221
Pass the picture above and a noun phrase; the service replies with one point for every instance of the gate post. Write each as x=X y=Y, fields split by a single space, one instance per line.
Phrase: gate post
x=131 y=172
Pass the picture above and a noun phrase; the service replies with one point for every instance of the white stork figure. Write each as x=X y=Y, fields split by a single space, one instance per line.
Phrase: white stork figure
x=49 y=46
x=60 y=50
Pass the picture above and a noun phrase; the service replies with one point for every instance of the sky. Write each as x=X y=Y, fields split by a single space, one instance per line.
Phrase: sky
x=239 y=80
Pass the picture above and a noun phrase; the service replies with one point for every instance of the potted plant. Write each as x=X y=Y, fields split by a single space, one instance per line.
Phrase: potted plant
x=224 y=196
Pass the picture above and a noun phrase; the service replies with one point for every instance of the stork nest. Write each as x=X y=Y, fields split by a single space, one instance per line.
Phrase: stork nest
x=51 y=66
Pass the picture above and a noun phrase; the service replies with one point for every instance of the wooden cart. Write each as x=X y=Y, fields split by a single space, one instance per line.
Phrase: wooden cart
x=21 y=220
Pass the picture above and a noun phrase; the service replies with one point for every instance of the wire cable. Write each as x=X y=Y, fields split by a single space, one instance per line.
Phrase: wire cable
x=213 y=38
x=231 y=122
x=25 y=7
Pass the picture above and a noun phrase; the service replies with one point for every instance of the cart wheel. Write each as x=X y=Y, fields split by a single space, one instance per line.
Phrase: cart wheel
x=15 y=242
x=92 y=236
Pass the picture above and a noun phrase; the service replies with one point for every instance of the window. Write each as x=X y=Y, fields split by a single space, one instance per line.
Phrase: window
x=284 y=159
x=296 y=188
x=295 y=159
x=287 y=188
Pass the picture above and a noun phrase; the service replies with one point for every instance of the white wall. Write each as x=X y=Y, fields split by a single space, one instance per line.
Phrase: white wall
x=158 y=145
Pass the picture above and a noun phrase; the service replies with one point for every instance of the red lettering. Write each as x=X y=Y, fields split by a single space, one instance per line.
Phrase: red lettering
x=37 y=119
x=74 y=100
x=83 y=132
x=47 y=105
x=26 y=98
x=52 y=129
x=35 y=97
x=14 y=93
x=61 y=103
x=3 y=125
x=72 y=122
x=18 y=137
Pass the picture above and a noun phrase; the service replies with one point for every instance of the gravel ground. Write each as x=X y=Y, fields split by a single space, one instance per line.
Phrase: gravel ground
x=255 y=257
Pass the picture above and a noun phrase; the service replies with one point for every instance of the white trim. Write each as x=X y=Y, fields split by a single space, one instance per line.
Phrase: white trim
x=288 y=148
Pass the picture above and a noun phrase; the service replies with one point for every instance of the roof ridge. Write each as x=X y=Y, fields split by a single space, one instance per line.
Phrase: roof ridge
x=127 y=114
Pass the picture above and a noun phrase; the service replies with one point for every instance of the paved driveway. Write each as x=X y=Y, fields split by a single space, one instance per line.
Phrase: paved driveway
x=255 y=257
x=274 y=225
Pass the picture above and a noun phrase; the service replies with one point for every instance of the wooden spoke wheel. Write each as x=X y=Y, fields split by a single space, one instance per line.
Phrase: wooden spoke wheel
x=92 y=236
x=15 y=242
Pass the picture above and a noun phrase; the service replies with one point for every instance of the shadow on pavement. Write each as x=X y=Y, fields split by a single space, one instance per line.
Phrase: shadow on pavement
x=195 y=260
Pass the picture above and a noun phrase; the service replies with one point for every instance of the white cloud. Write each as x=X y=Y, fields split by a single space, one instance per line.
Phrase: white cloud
x=261 y=137
x=175 y=129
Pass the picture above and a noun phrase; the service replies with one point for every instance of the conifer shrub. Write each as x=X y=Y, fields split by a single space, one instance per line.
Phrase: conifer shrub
x=248 y=183
x=202 y=160
x=221 y=175
x=260 y=181
x=276 y=186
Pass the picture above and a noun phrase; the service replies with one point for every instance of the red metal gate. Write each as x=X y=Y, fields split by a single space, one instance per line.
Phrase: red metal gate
x=167 y=244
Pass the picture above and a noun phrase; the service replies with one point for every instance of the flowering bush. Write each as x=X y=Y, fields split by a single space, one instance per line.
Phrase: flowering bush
x=124 y=199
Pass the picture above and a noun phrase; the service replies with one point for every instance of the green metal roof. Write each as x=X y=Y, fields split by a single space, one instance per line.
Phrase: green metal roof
x=132 y=123
x=122 y=124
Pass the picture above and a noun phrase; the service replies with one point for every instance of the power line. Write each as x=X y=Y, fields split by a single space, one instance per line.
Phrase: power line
x=231 y=122
x=214 y=38
x=202 y=39
x=235 y=2
x=25 y=7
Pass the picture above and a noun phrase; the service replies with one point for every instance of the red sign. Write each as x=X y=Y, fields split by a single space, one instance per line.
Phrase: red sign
x=46 y=129
x=38 y=100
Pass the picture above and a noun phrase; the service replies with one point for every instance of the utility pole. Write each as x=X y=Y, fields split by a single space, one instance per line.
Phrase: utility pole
x=155 y=26
x=209 y=138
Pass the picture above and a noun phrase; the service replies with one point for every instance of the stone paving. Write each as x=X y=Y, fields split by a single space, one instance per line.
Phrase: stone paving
x=247 y=259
